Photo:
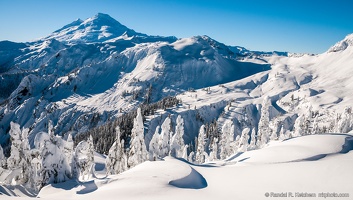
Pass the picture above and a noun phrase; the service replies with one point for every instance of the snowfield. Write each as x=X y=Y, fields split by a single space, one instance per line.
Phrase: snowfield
x=307 y=164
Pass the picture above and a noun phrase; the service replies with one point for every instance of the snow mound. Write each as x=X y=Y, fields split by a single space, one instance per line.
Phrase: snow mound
x=192 y=181
x=305 y=148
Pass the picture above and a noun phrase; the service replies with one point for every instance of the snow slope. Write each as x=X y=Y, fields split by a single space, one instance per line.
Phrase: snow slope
x=297 y=165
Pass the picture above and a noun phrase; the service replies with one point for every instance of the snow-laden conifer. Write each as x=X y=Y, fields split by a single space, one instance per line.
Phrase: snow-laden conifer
x=138 y=151
x=177 y=141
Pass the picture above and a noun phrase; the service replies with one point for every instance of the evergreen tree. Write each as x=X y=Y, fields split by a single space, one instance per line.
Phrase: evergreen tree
x=123 y=161
x=227 y=138
x=116 y=158
x=84 y=160
x=201 y=154
x=177 y=142
x=15 y=158
x=191 y=157
x=2 y=158
x=214 y=150
x=185 y=152
x=235 y=145
x=243 y=140
x=55 y=168
x=345 y=123
x=263 y=130
x=164 y=141
x=138 y=152
x=298 y=126
x=69 y=151
x=273 y=136
x=36 y=167
x=153 y=146
x=26 y=157
x=316 y=129
x=282 y=134
x=20 y=157
x=253 y=140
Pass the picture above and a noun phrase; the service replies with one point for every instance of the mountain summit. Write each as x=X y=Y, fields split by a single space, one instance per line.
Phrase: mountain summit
x=98 y=28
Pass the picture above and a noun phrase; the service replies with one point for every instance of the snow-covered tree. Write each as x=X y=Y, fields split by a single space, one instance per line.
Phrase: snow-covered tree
x=227 y=138
x=35 y=181
x=345 y=122
x=252 y=144
x=20 y=157
x=214 y=150
x=90 y=149
x=153 y=147
x=177 y=141
x=164 y=141
x=2 y=158
x=185 y=152
x=263 y=129
x=273 y=136
x=15 y=158
x=54 y=165
x=274 y=126
x=138 y=151
x=84 y=160
x=315 y=129
x=243 y=140
x=298 y=126
x=191 y=157
x=235 y=144
x=123 y=161
x=69 y=150
x=26 y=157
x=282 y=134
x=115 y=161
x=201 y=154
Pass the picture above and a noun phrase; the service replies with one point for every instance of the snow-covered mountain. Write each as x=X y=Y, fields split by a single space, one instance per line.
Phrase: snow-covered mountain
x=99 y=28
x=90 y=72
x=100 y=67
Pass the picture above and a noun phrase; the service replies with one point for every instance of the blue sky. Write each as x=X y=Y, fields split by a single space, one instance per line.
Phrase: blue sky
x=284 y=25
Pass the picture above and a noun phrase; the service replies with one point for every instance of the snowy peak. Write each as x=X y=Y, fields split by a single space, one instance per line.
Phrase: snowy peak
x=203 y=46
x=98 y=28
x=342 y=45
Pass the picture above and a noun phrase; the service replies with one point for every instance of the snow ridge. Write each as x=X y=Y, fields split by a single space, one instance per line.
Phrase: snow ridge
x=342 y=45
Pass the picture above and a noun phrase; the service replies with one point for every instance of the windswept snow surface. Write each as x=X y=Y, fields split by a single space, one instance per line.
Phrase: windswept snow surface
x=308 y=164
